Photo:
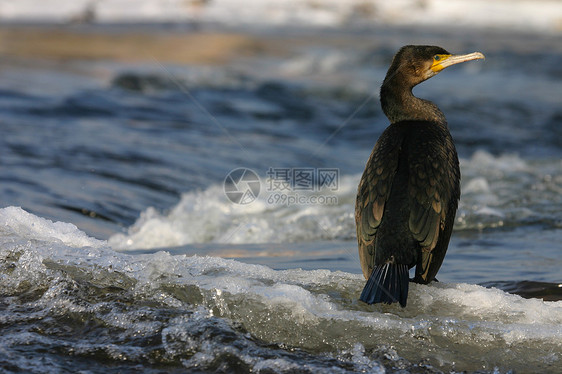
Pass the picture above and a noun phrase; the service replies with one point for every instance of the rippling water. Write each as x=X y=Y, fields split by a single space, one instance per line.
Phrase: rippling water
x=136 y=155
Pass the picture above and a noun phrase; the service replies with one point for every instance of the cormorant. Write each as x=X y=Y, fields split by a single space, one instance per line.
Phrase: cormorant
x=409 y=191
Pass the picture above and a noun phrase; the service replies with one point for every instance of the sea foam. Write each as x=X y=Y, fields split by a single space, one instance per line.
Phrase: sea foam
x=496 y=191
x=314 y=310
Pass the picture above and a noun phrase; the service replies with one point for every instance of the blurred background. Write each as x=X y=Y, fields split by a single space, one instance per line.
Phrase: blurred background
x=523 y=15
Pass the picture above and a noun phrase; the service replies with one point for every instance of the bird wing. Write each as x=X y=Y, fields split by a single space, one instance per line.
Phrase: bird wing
x=373 y=192
x=432 y=186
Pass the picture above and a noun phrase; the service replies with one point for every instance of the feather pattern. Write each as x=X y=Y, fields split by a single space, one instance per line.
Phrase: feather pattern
x=388 y=284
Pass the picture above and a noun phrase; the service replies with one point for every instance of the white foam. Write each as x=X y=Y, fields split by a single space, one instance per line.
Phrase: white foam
x=505 y=188
x=309 y=309
x=477 y=185
x=495 y=190
x=521 y=15
x=16 y=221
x=208 y=216
x=233 y=277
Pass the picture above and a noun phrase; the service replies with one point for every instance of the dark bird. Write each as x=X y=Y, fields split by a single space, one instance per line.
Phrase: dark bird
x=408 y=194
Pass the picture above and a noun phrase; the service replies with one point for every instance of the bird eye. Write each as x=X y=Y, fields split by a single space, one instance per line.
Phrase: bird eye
x=437 y=57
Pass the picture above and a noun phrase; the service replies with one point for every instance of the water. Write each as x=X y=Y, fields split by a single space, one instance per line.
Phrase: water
x=128 y=256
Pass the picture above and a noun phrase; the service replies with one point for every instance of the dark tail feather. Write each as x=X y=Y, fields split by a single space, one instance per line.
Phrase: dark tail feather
x=388 y=284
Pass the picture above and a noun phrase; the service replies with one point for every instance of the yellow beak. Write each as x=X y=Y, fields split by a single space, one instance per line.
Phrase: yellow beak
x=441 y=62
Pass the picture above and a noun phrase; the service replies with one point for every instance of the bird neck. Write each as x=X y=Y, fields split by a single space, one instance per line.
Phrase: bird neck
x=399 y=104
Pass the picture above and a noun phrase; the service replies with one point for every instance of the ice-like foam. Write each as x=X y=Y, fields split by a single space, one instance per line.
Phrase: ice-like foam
x=314 y=310
x=16 y=221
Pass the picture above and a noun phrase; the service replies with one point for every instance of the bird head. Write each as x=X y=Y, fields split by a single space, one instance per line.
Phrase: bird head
x=414 y=64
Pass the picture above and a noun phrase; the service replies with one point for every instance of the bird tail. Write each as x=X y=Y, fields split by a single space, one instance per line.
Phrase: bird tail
x=388 y=284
